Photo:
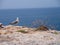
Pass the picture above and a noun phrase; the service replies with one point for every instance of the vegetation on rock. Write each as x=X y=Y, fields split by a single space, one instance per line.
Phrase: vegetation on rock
x=22 y=31
x=42 y=28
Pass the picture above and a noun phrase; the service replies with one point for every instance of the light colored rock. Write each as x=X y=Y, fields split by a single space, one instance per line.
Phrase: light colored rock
x=34 y=38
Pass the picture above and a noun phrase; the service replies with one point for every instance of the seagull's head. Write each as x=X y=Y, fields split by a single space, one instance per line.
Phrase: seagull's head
x=17 y=19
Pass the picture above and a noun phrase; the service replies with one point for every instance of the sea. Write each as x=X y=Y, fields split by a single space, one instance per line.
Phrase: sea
x=32 y=17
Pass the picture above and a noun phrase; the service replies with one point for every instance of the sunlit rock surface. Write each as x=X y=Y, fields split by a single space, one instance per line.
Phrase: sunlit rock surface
x=10 y=36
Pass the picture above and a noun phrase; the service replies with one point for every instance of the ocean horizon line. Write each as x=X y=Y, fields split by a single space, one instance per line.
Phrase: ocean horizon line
x=30 y=8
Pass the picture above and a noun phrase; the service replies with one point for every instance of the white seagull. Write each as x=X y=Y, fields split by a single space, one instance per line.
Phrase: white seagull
x=15 y=22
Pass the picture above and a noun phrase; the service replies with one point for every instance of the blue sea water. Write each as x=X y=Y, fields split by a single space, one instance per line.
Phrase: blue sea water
x=27 y=16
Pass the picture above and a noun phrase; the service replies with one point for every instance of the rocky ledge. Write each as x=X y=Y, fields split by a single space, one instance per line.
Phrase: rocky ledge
x=12 y=35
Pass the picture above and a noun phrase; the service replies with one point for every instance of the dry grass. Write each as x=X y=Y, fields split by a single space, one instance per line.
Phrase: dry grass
x=42 y=28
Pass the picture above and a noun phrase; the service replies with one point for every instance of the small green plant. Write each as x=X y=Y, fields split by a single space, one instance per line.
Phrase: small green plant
x=22 y=31
x=55 y=32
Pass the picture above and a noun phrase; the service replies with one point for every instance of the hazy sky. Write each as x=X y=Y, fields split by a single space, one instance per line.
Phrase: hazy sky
x=15 y=4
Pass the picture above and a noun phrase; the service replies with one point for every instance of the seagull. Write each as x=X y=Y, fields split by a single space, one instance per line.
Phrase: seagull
x=15 y=22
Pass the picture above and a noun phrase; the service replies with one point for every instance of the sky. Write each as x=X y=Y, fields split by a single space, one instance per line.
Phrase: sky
x=15 y=4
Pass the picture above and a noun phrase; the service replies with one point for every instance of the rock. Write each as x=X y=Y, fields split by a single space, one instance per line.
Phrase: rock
x=1 y=25
x=35 y=38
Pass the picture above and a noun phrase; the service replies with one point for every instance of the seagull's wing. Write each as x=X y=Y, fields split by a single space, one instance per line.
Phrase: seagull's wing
x=14 y=22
